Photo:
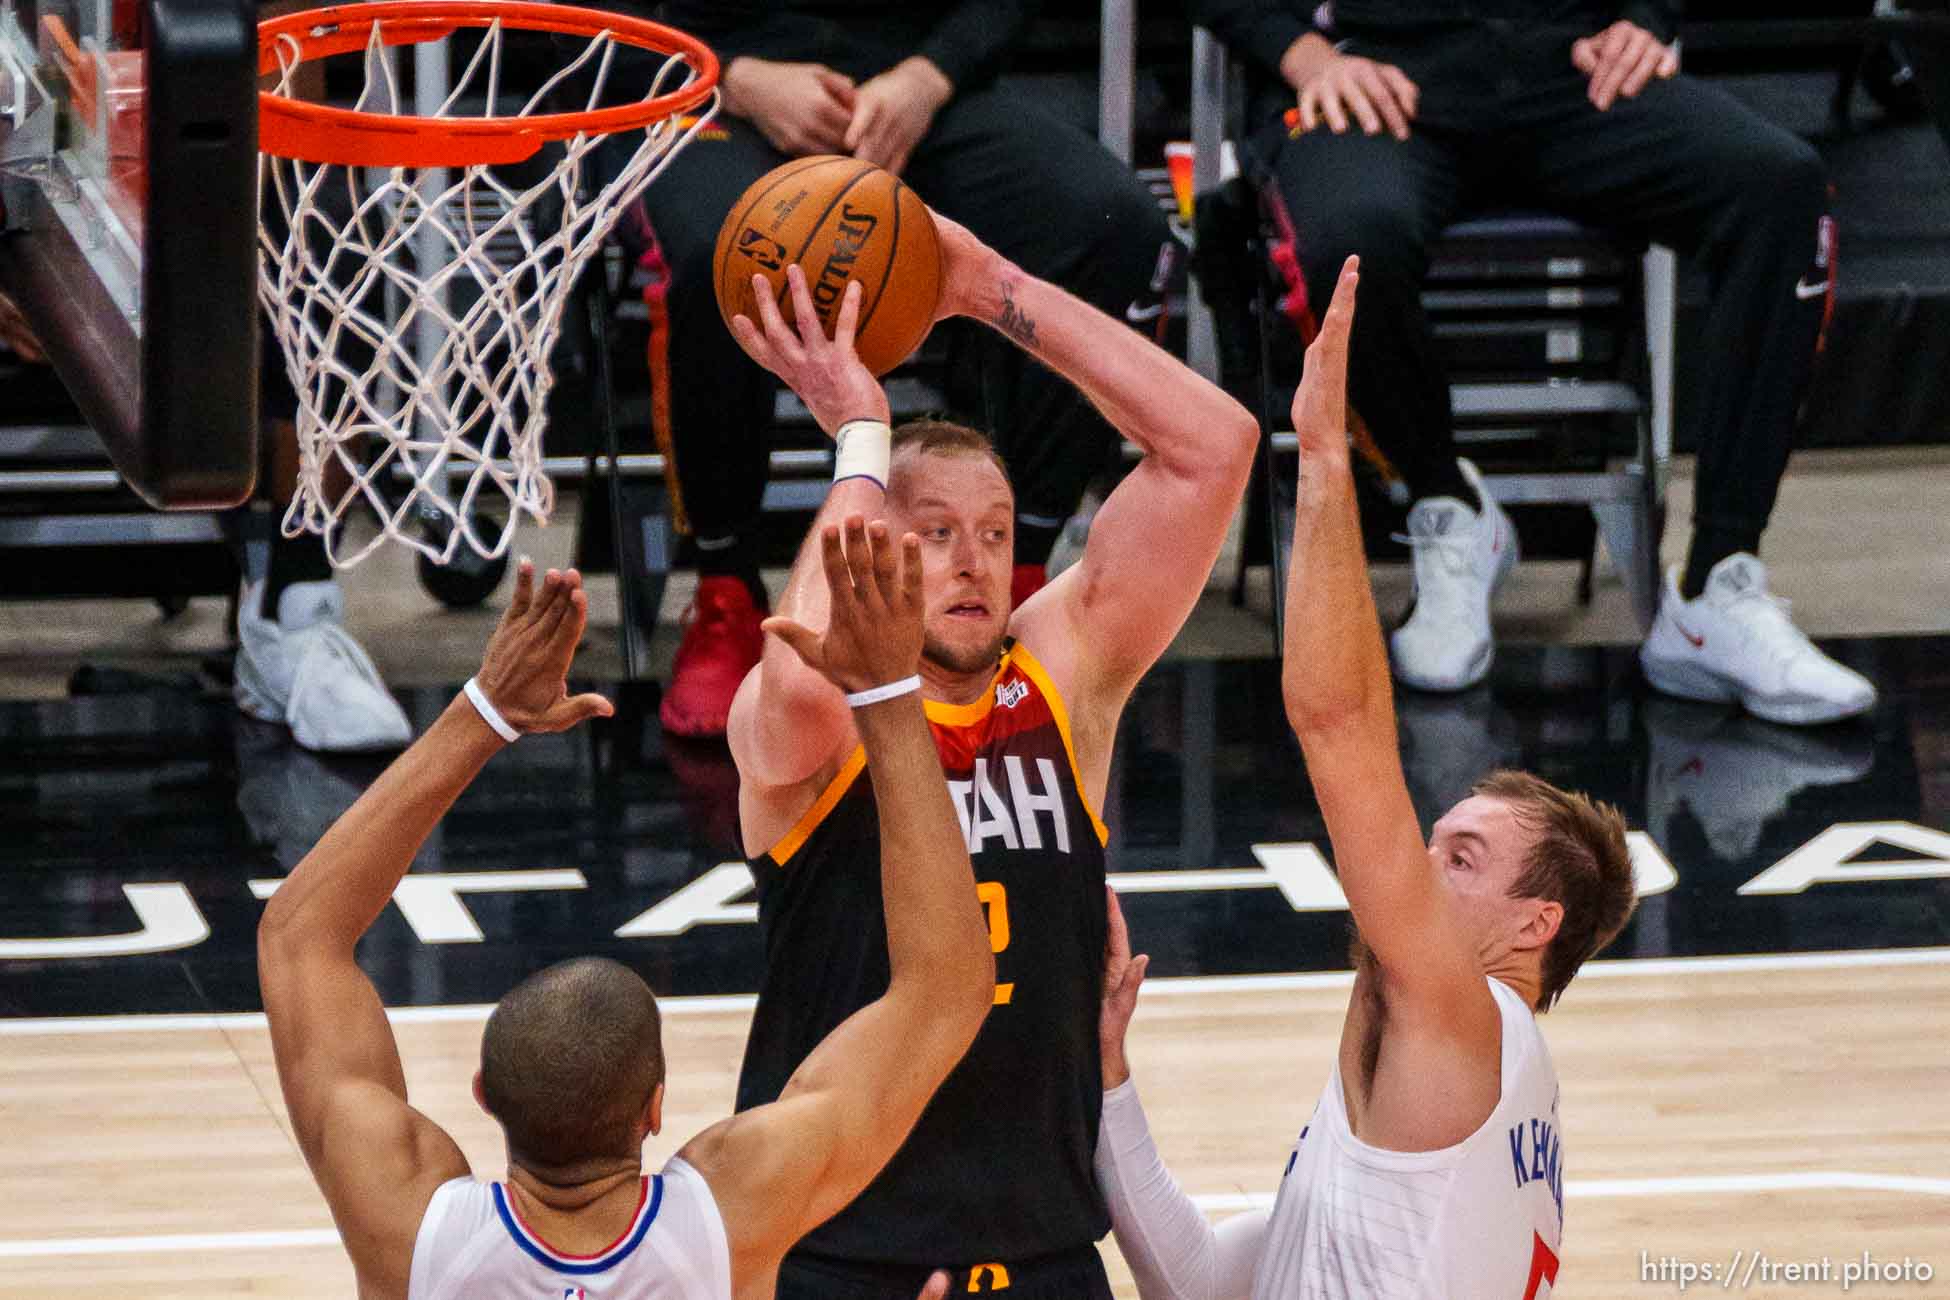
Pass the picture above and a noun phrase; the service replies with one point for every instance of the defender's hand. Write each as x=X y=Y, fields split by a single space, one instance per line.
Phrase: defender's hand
x=893 y=111
x=1621 y=60
x=1320 y=403
x=874 y=626
x=1123 y=974
x=826 y=373
x=1376 y=96
x=801 y=108
x=524 y=672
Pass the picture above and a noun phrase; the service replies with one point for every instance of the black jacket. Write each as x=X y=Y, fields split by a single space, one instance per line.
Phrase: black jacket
x=1261 y=31
x=966 y=39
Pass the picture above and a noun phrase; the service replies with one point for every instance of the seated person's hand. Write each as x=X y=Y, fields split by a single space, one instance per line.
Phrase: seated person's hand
x=17 y=334
x=1620 y=60
x=1378 y=96
x=802 y=108
x=892 y=111
x=826 y=373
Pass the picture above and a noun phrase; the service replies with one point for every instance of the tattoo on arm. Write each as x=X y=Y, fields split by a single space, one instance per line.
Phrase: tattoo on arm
x=1013 y=321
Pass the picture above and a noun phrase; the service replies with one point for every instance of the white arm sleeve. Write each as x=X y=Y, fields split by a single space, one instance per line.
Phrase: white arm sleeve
x=1173 y=1253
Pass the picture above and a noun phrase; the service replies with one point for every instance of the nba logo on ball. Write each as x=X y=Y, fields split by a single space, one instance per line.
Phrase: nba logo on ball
x=842 y=221
x=768 y=253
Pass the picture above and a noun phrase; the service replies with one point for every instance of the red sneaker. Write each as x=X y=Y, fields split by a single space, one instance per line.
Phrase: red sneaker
x=722 y=643
x=1027 y=580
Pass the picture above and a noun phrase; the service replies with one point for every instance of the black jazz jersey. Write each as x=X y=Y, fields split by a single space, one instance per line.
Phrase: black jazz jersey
x=999 y=1166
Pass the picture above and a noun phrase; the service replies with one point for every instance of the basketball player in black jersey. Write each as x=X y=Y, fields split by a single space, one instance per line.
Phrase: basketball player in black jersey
x=996 y=1179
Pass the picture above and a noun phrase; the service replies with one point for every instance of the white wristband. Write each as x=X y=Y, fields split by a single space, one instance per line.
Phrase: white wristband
x=875 y=694
x=489 y=714
x=863 y=449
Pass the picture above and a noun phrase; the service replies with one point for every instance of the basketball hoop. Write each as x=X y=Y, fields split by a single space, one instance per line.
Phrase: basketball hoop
x=417 y=265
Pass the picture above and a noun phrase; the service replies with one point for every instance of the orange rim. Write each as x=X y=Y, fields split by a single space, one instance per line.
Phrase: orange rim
x=291 y=128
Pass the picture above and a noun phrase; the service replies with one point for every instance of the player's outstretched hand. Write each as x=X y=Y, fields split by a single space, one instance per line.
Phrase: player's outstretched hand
x=1320 y=403
x=1123 y=976
x=525 y=670
x=874 y=623
x=937 y=1287
x=826 y=373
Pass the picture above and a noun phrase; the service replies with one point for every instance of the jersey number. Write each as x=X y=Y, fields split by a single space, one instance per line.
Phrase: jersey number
x=995 y=901
x=1543 y=1268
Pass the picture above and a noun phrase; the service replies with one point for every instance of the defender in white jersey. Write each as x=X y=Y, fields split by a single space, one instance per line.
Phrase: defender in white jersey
x=1432 y=1167
x=571 y=1059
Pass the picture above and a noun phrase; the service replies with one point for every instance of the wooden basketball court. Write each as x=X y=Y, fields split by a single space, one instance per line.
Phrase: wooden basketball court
x=1793 y=1108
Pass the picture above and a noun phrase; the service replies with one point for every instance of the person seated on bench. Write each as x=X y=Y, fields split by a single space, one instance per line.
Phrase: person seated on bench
x=1410 y=113
x=911 y=88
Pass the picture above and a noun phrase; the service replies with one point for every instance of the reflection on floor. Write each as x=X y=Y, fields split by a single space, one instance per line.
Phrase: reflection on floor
x=143 y=829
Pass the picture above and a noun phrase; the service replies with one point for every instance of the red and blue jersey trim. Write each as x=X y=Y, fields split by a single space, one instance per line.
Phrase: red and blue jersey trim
x=651 y=1199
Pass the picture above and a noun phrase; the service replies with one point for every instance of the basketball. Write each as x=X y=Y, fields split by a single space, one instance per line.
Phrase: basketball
x=841 y=219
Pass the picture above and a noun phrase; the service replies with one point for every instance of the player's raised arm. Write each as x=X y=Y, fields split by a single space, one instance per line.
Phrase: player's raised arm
x=1340 y=700
x=787 y=720
x=780 y=1170
x=1153 y=544
x=376 y=1159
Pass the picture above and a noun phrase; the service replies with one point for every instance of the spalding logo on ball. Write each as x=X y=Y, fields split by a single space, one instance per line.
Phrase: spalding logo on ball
x=841 y=220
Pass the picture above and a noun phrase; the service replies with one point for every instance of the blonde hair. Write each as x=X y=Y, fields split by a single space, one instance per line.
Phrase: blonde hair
x=1579 y=860
x=930 y=435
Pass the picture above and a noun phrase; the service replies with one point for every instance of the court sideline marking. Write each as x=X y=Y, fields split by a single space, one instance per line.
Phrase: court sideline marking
x=1175 y=986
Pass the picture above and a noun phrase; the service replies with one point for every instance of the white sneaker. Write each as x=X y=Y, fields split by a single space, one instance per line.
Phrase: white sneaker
x=1461 y=557
x=305 y=670
x=1736 y=642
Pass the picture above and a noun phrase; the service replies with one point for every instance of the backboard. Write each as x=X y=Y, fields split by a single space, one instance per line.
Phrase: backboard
x=128 y=206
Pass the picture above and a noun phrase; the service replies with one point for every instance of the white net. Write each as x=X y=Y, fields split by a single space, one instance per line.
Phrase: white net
x=417 y=308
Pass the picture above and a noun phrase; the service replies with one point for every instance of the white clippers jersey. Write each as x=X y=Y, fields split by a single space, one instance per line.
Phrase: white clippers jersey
x=473 y=1244
x=1481 y=1220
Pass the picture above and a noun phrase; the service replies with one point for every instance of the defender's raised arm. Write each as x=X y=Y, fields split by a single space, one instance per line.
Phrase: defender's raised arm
x=377 y=1159
x=781 y=1169
x=1340 y=701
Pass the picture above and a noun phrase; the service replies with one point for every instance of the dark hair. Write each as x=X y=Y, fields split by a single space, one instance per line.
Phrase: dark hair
x=944 y=437
x=1579 y=860
x=569 y=1059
